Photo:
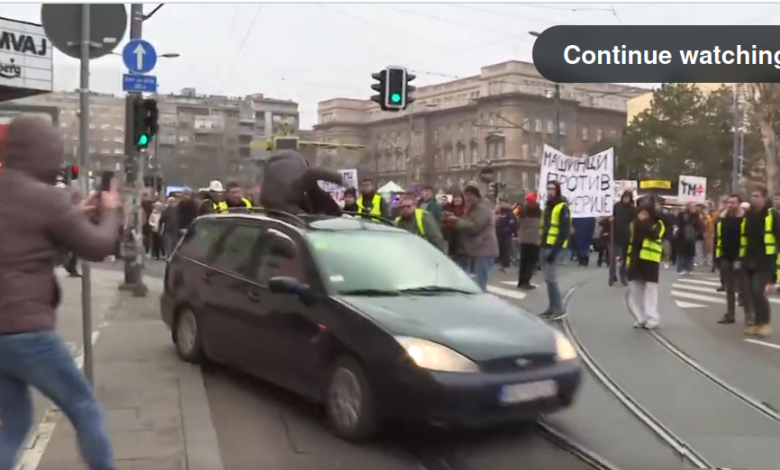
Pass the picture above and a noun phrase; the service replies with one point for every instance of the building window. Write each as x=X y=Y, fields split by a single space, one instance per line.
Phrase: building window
x=538 y=125
x=538 y=151
x=500 y=150
x=524 y=181
x=598 y=135
x=562 y=130
x=526 y=125
x=474 y=155
x=584 y=134
x=536 y=180
x=461 y=156
x=550 y=127
x=613 y=134
x=525 y=152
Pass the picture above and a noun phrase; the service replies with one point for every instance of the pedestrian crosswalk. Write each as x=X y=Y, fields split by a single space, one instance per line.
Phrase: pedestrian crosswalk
x=507 y=293
x=698 y=292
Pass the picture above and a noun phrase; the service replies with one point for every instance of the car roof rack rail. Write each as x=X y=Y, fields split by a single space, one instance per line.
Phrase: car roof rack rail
x=288 y=216
x=374 y=218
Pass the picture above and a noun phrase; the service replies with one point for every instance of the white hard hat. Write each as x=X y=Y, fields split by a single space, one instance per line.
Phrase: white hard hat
x=216 y=187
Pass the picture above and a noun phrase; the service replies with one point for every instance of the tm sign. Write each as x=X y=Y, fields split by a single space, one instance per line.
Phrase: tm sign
x=692 y=188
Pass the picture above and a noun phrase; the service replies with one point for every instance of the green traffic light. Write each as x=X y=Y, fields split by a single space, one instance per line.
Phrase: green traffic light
x=143 y=140
x=395 y=97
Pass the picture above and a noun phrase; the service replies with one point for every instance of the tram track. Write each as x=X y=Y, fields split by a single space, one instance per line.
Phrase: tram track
x=686 y=452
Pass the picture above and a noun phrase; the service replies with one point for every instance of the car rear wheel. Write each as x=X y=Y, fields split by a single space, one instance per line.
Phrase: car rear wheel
x=187 y=337
x=350 y=402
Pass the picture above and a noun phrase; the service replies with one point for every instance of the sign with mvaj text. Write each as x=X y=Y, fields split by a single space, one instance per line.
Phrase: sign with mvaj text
x=348 y=177
x=692 y=188
x=586 y=182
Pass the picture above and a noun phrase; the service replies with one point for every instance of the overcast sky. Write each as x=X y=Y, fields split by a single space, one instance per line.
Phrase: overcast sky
x=313 y=52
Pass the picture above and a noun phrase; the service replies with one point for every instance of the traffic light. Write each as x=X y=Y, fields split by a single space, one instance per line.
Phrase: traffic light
x=393 y=87
x=145 y=121
x=73 y=172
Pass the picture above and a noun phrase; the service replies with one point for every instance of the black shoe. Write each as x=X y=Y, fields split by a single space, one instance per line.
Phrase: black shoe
x=726 y=320
x=558 y=316
x=611 y=283
x=720 y=289
x=625 y=283
x=547 y=313
x=526 y=286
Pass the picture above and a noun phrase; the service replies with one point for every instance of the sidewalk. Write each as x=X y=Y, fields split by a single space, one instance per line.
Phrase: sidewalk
x=156 y=406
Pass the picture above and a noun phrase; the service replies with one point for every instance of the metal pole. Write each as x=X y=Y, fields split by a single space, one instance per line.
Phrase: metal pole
x=735 y=169
x=557 y=100
x=134 y=251
x=86 y=274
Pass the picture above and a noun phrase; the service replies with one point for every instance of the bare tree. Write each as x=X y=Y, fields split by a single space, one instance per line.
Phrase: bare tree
x=764 y=108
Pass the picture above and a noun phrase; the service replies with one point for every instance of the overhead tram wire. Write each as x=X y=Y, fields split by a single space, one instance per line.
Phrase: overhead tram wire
x=154 y=10
x=361 y=36
x=242 y=44
x=435 y=17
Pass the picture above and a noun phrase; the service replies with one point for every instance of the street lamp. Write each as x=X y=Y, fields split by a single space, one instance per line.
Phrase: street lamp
x=557 y=99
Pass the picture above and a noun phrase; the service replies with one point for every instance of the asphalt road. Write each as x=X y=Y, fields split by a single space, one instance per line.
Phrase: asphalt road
x=723 y=429
x=260 y=426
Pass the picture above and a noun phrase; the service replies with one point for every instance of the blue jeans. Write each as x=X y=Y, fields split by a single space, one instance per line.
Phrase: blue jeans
x=615 y=271
x=482 y=267
x=169 y=242
x=554 y=296
x=42 y=360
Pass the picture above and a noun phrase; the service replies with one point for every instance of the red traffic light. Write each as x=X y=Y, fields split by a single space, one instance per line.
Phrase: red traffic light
x=74 y=172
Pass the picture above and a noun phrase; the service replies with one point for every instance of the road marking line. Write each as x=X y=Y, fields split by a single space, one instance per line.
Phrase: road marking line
x=706 y=290
x=32 y=453
x=701 y=298
x=501 y=292
x=763 y=343
x=699 y=281
x=684 y=304
x=509 y=283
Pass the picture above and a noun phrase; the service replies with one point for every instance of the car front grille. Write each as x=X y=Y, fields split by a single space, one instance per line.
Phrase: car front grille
x=517 y=363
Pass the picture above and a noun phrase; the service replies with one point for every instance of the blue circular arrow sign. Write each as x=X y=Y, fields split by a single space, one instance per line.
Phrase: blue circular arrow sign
x=139 y=56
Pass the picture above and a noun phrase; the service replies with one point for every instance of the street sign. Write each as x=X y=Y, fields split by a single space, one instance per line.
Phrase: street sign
x=135 y=83
x=139 y=56
x=62 y=24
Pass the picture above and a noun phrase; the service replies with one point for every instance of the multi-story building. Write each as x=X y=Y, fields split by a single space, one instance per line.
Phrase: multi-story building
x=500 y=118
x=201 y=137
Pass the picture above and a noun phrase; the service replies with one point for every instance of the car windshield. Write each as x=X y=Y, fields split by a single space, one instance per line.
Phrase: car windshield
x=365 y=262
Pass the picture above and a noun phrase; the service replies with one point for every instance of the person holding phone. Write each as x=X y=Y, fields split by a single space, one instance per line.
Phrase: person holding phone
x=36 y=221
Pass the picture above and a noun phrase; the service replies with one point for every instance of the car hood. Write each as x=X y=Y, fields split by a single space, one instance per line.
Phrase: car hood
x=481 y=326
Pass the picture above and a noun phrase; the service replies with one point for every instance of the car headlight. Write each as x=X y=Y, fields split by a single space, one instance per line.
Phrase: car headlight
x=432 y=356
x=564 y=350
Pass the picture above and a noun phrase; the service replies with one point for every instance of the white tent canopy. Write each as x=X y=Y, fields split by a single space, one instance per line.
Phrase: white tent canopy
x=390 y=188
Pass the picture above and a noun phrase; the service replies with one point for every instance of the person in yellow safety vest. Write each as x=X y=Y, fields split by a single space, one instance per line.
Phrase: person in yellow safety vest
x=235 y=197
x=370 y=202
x=762 y=230
x=555 y=229
x=643 y=260
x=213 y=203
x=730 y=249
x=419 y=222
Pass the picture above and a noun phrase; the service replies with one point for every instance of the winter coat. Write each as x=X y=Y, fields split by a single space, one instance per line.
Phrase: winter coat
x=290 y=185
x=638 y=269
x=528 y=224
x=506 y=225
x=37 y=221
x=477 y=228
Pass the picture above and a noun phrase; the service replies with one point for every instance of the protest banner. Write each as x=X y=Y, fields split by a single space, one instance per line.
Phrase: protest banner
x=622 y=186
x=692 y=189
x=349 y=178
x=586 y=182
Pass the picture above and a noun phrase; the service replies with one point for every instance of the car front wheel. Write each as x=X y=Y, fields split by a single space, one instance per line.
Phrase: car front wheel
x=187 y=336
x=350 y=402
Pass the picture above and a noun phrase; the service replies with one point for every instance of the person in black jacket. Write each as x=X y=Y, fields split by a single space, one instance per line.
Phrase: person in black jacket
x=728 y=254
x=688 y=226
x=762 y=230
x=623 y=214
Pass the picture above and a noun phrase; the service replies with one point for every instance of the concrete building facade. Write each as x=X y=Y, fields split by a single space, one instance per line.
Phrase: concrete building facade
x=201 y=137
x=499 y=118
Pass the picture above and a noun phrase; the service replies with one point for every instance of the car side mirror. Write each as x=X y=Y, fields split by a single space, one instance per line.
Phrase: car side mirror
x=291 y=286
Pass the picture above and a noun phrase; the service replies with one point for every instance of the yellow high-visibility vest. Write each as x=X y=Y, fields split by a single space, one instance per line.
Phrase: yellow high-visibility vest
x=376 y=205
x=246 y=202
x=419 y=216
x=770 y=244
x=652 y=248
x=219 y=207
x=742 y=239
x=555 y=223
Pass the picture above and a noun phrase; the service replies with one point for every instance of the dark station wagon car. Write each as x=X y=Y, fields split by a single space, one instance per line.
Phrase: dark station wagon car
x=369 y=320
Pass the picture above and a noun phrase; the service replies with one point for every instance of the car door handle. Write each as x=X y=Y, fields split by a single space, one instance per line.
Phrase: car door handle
x=253 y=296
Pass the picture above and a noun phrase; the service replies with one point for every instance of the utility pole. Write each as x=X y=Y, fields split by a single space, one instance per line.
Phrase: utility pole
x=736 y=136
x=134 y=165
x=86 y=273
x=557 y=101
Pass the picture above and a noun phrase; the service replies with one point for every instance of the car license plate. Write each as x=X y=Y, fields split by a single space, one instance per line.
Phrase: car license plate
x=519 y=393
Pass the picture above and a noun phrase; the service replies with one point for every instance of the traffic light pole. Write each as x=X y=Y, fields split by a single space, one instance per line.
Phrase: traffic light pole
x=86 y=273
x=134 y=165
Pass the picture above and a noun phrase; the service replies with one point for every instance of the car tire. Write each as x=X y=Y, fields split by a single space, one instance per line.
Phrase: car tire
x=350 y=402
x=187 y=336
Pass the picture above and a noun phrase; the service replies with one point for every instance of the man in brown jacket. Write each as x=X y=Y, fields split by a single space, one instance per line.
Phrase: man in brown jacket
x=37 y=221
